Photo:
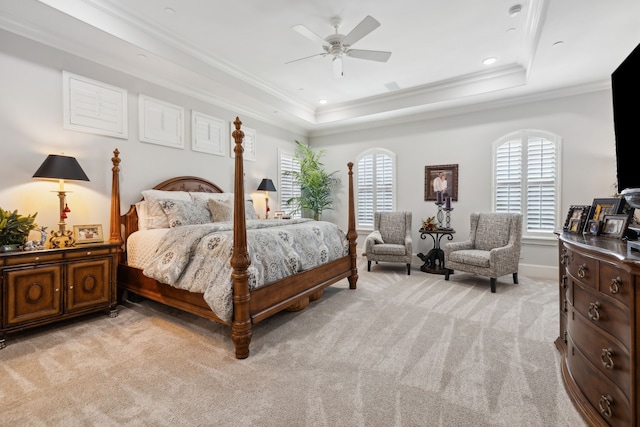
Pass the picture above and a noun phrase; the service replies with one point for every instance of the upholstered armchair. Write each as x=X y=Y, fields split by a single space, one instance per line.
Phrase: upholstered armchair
x=493 y=248
x=390 y=240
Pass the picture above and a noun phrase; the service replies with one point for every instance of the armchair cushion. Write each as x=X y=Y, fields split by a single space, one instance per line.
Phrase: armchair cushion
x=389 y=249
x=474 y=257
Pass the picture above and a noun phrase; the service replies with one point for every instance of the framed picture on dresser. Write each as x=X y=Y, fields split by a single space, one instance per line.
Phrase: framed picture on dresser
x=614 y=226
x=576 y=218
x=606 y=206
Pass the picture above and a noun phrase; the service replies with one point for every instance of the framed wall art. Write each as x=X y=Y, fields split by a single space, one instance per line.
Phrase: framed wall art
x=614 y=226
x=249 y=143
x=442 y=180
x=93 y=106
x=576 y=218
x=88 y=234
x=208 y=134
x=161 y=123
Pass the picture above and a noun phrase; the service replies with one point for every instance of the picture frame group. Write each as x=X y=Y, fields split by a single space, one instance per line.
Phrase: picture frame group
x=603 y=218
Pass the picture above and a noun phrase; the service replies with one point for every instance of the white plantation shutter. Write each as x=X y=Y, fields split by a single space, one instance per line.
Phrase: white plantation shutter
x=375 y=185
x=287 y=188
x=526 y=179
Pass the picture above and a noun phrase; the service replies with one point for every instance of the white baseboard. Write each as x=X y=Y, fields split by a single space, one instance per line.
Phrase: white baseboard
x=538 y=271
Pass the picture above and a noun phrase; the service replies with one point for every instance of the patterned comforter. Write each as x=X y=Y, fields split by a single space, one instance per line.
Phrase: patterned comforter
x=197 y=257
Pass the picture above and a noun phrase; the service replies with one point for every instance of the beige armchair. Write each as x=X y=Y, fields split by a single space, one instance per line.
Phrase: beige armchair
x=391 y=239
x=493 y=248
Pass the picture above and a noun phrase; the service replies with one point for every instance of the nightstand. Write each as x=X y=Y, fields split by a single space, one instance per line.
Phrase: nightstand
x=41 y=287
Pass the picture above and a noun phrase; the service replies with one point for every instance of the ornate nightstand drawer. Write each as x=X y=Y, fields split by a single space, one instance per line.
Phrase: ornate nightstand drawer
x=88 y=252
x=582 y=267
x=603 y=352
x=602 y=313
x=35 y=257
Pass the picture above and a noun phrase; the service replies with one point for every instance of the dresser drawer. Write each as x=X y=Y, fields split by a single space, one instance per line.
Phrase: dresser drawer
x=34 y=257
x=604 y=353
x=603 y=313
x=582 y=267
x=89 y=252
x=615 y=283
x=607 y=399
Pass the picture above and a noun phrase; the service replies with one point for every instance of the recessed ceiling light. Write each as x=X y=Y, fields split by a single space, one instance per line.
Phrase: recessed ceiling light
x=490 y=60
x=511 y=30
x=323 y=101
x=142 y=56
x=515 y=10
x=558 y=43
x=169 y=11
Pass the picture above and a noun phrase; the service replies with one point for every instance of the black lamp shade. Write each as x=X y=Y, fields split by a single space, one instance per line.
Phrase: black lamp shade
x=266 y=185
x=61 y=167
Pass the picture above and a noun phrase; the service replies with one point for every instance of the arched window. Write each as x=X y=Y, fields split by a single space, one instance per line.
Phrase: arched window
x=376 y=185
x=526 y=178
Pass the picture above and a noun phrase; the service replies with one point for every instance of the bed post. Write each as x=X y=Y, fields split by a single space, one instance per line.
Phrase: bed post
x=241 y=325
x=115 y=234
x=352 y=235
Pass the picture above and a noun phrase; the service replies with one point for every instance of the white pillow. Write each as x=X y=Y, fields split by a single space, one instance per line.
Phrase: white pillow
x=143 y=216
x=180 y=212
x=156 y=216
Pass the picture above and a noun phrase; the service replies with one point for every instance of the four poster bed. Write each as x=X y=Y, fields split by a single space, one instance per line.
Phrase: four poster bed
x=249 y=302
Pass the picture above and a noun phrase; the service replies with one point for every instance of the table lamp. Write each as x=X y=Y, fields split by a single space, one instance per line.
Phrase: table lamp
x=266 y=185
x=61 y=167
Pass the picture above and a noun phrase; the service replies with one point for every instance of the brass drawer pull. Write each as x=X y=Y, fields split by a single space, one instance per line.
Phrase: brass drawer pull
x=594 y=311
x=607 y=358
x=605 y=405
x=614 y=288
x=582 y=271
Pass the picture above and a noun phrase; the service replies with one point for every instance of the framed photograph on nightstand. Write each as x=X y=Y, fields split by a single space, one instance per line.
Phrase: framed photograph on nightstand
x=88 y=234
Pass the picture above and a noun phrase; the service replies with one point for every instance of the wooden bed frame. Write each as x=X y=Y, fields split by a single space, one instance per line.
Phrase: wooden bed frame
x=249 y=307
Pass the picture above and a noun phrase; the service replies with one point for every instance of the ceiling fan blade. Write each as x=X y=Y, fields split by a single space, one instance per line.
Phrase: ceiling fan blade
x=310 y=34
x=336 y=65
x=365 y=26
x=307 y=57
x=371 y=55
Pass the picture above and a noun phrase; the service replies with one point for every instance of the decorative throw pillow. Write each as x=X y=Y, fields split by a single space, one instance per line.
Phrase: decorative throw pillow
x=221 y=210
x=249 y=210
x=155 y=215
x=376 y=236
x=180 y=212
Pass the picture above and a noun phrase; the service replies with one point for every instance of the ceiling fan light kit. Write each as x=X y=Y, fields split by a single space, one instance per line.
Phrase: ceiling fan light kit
x=339 y=46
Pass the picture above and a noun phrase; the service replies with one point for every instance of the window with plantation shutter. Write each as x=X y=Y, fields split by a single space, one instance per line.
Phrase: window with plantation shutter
x=287 y=188
x=375 y=181
x=526 y=178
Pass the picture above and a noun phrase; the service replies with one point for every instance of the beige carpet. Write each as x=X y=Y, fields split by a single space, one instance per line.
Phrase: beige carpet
x=398 y=351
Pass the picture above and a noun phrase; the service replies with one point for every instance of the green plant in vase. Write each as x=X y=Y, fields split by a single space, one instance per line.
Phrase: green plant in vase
x=15 y=228
x=315 y=182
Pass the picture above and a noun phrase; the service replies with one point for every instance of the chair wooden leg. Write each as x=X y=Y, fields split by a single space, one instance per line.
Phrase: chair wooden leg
x=493 y=285
x=408 y=269
x=515 y=278
x=446 y=273
x=368 y=265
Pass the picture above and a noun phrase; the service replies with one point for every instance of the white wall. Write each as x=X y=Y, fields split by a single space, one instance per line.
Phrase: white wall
x=584 y=122
x=31 y=128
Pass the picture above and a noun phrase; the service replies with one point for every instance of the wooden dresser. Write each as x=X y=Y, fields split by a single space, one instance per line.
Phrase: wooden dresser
x=41 y=287
x=600 y=328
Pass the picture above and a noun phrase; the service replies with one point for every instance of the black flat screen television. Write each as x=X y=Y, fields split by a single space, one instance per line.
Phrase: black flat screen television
x=625 y=86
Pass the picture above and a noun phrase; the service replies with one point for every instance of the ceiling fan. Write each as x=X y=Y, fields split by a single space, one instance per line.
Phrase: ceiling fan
x=339 y=45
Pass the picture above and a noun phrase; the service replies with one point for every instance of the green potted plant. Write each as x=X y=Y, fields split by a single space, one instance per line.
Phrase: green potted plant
x=14 y=229
x=315 y=182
